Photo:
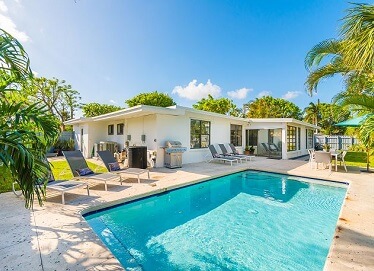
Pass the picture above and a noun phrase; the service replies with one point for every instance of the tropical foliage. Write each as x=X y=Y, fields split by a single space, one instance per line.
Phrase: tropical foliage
x=96 y=109
x=222 y=106
x=152 y=98
x=352 y=56
x=26 y=130
x=331 y=114
x=312 y=114
x=269 y=107
x=58 y=97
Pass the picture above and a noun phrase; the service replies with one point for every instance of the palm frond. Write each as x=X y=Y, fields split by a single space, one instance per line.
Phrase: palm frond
x=320 y=51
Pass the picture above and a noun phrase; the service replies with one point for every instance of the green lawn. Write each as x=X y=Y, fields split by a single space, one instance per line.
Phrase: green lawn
x=60 y=170
x=358 y=159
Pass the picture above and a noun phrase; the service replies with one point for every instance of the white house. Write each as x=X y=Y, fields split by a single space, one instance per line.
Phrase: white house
x=152 y=126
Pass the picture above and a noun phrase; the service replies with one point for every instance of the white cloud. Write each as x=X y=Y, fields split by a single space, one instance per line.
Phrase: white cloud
x=291 y=95
x=239 y=93
x=3 y=7
x=112 y=101
x=9 y=26
x=263 y=93
x=194 y=91
x=35 y=73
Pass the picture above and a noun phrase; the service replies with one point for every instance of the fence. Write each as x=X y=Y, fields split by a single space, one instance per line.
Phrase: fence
x=337 y=142
x=66 y=135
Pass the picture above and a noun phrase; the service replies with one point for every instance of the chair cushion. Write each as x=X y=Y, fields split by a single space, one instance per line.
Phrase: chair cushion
x=84 y=171
x=114 y=166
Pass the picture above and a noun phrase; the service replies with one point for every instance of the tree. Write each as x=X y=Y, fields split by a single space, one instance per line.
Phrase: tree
x=223 y=106
x=59 y=98
x=269 y=107
x=331 y=114
x=351 y=55
x=25 y=130
x=96 y=109
x=152 y=98
x=311 y=113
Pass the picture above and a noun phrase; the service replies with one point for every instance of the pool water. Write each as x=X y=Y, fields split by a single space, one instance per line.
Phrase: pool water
x=244 y=221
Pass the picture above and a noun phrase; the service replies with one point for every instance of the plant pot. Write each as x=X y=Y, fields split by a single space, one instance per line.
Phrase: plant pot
x=251 y=152
x=246 y=152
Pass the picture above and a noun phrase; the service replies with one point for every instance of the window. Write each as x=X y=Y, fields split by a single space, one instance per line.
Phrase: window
x=299 y=138
x=236 y=134
x=251 y=137
x=120 y=129
x=291 y=138
x=111 y=129
x=200 y=134
x=309 y=138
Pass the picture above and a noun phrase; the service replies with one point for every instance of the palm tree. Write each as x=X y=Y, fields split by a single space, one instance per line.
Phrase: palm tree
x=352 y=55
x=311 y=113
x=25 y=130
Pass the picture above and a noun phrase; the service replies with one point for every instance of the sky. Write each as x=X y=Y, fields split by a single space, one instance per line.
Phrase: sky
x=112 y=50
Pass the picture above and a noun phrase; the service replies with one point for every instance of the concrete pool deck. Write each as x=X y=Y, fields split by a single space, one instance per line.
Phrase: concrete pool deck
x=56 y=237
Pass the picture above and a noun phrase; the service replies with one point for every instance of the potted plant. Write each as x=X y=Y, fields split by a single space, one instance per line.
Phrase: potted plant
x=326 y=147
x=251 y=150
x=246 y=150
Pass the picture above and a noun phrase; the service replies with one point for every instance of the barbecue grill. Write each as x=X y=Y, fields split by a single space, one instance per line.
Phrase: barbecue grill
x=173 y=154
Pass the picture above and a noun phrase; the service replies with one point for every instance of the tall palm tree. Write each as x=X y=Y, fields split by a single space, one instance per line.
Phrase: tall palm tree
x=311 y=113
x=25 y=130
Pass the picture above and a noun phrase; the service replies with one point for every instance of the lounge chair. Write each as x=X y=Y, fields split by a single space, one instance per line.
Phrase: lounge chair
x=219 y=157
x=61 y=186
x=324 y=158
x=80 y=169
x=271 y=150
x=238 y=156
x=235 y=152
x=113 y=167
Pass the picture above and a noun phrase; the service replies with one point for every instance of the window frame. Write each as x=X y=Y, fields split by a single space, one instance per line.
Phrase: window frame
x=236 y=135
x=199 y=133
x=120 y=128
x=309 y=136
x=111 y=129
x=291 y=138
x=251 y=135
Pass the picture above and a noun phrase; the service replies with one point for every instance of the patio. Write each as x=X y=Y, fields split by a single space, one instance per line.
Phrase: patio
x=56 y=237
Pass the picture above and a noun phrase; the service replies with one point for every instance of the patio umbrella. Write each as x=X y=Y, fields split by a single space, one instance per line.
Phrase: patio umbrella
x=356 y=122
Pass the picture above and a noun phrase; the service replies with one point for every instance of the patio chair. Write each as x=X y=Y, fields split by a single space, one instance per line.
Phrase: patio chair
x=241 y=157
x=341 y=159
x=113 y=166
x=311 y=157
x=235 y=152
x=61 y=186
x=80 y=169
x=324 y=158
x=219 y=157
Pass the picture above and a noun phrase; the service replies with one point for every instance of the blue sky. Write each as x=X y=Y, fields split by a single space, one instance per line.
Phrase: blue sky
x=113 y=50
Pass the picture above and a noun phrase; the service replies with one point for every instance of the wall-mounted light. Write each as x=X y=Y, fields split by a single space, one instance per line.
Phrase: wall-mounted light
x=142 y=138
x=129 y=137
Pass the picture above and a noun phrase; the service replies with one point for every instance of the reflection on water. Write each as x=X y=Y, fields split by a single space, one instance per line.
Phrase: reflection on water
x=129 y=229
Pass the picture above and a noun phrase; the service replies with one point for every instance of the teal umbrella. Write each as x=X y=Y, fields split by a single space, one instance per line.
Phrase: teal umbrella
x=355 y=122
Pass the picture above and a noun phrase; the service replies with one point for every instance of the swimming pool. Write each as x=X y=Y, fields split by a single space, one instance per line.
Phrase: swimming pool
x=245 y=221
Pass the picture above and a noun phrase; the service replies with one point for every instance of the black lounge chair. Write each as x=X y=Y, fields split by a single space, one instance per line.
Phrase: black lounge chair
x=219 y=157
x=226 y=153
x=80 y=169
x=235 y=152
x=113 y=167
